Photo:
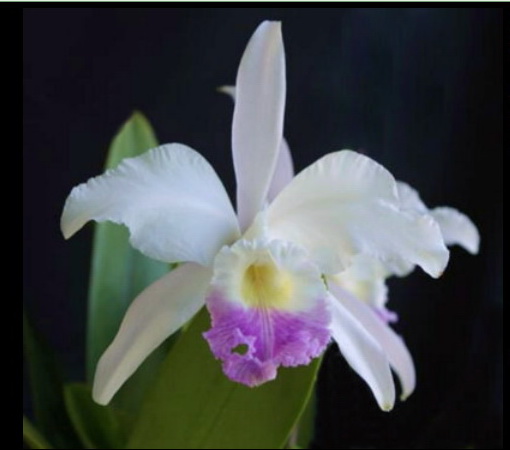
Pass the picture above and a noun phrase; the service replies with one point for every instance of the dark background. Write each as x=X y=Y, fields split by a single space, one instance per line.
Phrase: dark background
x=419 y=89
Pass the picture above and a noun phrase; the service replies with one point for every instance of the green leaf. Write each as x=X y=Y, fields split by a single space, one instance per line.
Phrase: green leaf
x=46 y=386
x=32 y=437
x=119 y=273
x=194 y=405
x=306 y=426
x=97 y=426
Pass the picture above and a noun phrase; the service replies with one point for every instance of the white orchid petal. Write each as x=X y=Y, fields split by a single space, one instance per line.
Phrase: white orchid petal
x=155 y=314
x=257 y=127
x=410 y=198
x=171 y=200
x=391 y=343
x=284 y=170
x=365 y=278
x=457 y=228
x=345 y=204
x=363 y=354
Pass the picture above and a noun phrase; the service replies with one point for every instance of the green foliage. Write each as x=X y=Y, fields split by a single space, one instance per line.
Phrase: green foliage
x=119 y=272
x=46 y=388
x=194 y=405
x=31 y=437
x=306 y=426
x=97 y=426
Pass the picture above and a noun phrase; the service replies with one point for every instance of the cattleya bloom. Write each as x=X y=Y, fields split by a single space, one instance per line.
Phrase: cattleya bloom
x=262 y=271
x=366 y=277
x=362 y=286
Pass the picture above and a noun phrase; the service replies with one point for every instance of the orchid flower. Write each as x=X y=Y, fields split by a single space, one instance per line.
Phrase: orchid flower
x=259 y=271
x=362 y=286
x=365 y=278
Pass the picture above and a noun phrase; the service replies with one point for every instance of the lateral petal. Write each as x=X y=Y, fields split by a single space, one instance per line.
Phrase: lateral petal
x=457 y=228
x=363 y=354
x=391 y=343
x=155 y=314
x=170 y=198
x=345 y=204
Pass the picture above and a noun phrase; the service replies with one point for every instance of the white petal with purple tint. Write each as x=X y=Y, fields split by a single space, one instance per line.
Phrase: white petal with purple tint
x=391 y=343
x=257 y=127
x=363 y=353
x=284 y=170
